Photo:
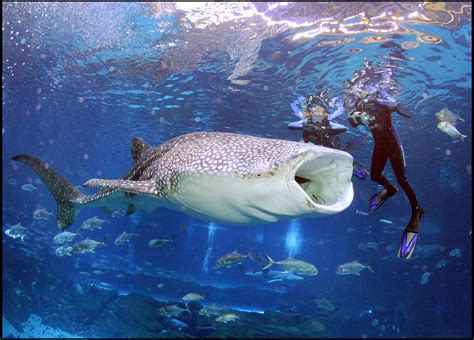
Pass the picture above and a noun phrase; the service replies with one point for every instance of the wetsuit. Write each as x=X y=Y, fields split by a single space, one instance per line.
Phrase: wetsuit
x=387 y=144
x=322 y=134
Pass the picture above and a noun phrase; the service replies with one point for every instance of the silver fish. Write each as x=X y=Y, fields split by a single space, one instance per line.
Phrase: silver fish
x=42 y=214
x=64 y=237
x=28 y=187
x=64 y=251
x=446 y=115
x=354 y=267
x=86 y=246
x=425 y=278
x=92 y=223
x=16 y=231
x=450 y=130
x=124 y=238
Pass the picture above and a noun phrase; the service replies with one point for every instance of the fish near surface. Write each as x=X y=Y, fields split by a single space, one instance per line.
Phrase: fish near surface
x=218 y=176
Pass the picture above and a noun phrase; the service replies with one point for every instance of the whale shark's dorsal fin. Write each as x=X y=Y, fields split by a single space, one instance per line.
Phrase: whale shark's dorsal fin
x=139 y=147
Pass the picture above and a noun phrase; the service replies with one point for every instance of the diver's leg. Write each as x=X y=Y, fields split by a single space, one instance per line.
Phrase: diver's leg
x=397 y=158
x=410 y=235
x=379 y=159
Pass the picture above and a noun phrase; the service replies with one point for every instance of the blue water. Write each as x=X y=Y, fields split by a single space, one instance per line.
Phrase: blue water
x=80 y=81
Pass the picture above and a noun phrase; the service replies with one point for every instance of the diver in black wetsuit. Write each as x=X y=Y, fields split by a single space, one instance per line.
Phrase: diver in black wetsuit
x=319 y=130
x=375 y=110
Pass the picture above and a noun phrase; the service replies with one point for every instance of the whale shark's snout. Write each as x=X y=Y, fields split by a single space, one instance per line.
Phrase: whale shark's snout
x=217 y=176
x=324 y=178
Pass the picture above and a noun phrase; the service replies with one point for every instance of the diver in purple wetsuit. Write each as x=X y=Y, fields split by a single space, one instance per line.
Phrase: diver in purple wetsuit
x=375 y=110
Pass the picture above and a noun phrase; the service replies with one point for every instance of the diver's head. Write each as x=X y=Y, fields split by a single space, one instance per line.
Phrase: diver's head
x=318 y=114
x=317 y=108
x=358 y=91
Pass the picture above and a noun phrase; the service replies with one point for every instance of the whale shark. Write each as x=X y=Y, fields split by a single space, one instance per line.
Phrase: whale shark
x=215 y=176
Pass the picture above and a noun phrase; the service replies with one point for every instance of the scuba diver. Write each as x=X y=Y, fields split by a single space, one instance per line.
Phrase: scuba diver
x=370 y=105
x=318 y=128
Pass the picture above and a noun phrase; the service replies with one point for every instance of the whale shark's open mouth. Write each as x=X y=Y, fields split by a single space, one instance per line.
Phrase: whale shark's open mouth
x=326 y=181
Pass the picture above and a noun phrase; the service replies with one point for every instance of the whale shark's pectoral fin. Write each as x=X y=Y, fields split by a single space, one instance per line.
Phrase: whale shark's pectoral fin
x=136 y=187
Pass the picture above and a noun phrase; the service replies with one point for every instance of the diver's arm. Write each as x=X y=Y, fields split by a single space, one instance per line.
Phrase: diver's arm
x=335 y=129
x=385 y=100
x=295 y=107
x=401 y=110
x=297 y=125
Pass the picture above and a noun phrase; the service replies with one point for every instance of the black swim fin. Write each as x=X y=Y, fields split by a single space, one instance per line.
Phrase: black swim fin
x=410 y=235
x=379 y=198
x=359 y=171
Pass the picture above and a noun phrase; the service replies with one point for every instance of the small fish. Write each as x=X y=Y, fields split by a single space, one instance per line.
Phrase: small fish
x=450 y=130
x=367 y=311
x=425 y=278
x=176 y=324
x=64 y=251
x=16 y=231
x=124 y=238
x=98 y=272
x=354 y=267
x=87 y=246
x=173 y=310
x=368 y=245
x=298 y=267
x=119 y=276
x=64 y=237
x=79 y=289
x=118 y=213
x=283 y=275
x=92 y=223
x=28 y=187
x=160 y=242
x=160 y=285
x=325 y=304
x=456 y=252
x=210 y=310
x=386 y=221
x=232 y=259
x=363 y=213
x=441 y=263
x=227 y=317
x=42 y=214
x=446 y=115
x=193 y=297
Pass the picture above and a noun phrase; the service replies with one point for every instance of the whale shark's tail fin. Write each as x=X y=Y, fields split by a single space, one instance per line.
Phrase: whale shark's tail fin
x=66 y=195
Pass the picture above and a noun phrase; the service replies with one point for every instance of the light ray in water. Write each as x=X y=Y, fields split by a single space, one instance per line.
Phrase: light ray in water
x=293 y=239
x=210 y=243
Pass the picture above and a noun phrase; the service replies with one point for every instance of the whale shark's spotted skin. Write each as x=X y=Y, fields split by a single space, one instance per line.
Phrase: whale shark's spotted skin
x=216 y=175
x=217 y=153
